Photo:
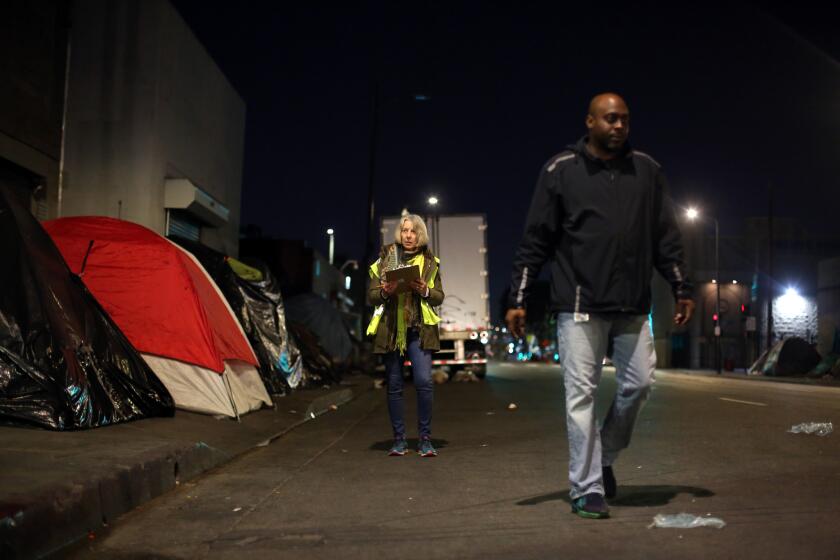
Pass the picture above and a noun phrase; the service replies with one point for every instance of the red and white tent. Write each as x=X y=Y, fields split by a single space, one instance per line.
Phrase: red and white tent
x=169 y=308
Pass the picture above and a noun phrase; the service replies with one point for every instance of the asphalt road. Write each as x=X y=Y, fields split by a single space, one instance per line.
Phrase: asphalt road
x=498 y=489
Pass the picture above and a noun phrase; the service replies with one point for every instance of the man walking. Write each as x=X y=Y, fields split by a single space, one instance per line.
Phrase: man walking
x=602 y=216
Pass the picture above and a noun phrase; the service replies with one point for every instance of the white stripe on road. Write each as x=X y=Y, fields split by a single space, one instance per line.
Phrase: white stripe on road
x=743 y=402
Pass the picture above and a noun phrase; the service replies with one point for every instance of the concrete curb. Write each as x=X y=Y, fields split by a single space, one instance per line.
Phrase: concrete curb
x=318 y=407
x=805 y=381
x=42 y=523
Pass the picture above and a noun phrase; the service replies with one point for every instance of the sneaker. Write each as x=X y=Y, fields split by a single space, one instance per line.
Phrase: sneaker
x=399 y=448
x=426 y=449
x=591 y=506
x=610 y=485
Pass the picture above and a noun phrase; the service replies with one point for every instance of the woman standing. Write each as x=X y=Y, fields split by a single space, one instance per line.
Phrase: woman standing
x=405 y=324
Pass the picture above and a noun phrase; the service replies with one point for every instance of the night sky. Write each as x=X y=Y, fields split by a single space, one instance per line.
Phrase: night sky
x=727 y=97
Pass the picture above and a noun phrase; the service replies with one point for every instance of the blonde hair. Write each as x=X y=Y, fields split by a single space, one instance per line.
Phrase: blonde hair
x=419 y=227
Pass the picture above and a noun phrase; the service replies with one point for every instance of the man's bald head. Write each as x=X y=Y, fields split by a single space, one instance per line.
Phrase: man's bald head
x=606 y=101
x=608 y=122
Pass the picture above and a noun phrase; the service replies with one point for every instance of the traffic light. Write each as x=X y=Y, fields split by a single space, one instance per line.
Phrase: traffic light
x=715 y=317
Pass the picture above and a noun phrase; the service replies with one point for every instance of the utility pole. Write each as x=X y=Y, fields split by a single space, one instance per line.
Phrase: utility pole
x=770 y=268
x=718 y=356
x=374 y=138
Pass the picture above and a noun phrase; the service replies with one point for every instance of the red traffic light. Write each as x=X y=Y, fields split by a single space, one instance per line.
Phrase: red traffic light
x=715 y=317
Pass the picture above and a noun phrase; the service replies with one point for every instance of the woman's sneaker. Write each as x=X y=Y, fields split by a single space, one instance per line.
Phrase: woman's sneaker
x=591 y=506
x=399 y=448
x=426 y=449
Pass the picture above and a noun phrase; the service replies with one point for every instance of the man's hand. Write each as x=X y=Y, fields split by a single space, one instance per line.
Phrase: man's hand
x=515 y=319
x=684 y=311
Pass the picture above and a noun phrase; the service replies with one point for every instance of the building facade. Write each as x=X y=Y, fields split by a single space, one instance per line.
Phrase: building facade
x=114 y=108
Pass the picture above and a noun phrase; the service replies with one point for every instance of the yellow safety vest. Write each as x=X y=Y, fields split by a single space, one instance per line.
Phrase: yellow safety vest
x=429 y=315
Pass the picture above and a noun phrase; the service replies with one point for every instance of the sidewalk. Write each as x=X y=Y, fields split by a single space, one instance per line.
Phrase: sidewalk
x=59 y=487
x=817 y=382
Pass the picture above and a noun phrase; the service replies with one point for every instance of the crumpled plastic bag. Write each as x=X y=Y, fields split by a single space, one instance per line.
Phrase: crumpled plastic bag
x=819 y=428
x=685 y=521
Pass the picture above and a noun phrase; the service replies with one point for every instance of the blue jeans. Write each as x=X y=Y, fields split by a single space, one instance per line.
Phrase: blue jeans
x=421 y=367
x=582 y=347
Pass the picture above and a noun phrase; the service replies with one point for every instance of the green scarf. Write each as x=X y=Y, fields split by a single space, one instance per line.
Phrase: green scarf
x=402 y=329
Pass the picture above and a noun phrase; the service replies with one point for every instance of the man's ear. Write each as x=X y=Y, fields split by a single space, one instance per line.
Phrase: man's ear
x=590 y=121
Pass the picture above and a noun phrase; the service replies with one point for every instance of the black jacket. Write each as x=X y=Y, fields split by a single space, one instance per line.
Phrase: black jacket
x=604 y=225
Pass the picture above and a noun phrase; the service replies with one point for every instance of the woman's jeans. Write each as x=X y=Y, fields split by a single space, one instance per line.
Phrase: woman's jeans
x=582 y=347
x=421 y=366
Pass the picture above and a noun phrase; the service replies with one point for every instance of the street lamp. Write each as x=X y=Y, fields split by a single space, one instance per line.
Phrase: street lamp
x=331 y=233
x=694 y=214
x=433 y=200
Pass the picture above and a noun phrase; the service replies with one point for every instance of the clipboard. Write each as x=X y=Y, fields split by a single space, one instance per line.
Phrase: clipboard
x=403 y=276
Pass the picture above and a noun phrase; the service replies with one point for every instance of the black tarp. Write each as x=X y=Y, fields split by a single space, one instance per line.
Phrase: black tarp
x=325 y=342
x=320 y=317
x=787 y=358
x=64 y=364
x=258 y=305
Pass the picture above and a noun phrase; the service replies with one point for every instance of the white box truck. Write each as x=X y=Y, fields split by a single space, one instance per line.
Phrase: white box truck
x=460 y=241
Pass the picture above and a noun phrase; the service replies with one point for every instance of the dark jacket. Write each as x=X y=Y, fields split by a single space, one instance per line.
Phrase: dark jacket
x=604 y=226
x=385 y=339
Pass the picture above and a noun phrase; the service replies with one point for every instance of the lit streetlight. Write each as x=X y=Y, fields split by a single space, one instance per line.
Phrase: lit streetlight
x=694 y=214
x=331 y=233
x=433 y=200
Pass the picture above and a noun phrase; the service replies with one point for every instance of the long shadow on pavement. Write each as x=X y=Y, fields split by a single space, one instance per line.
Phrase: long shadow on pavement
x=630 y=496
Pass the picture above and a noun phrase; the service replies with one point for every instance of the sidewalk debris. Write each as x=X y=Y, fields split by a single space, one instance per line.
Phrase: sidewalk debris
x=685 y=521
x=333 y=407
x=465 y=377
x=439 y=377
x=378 y=383
x=819 y=428
x=512 y=406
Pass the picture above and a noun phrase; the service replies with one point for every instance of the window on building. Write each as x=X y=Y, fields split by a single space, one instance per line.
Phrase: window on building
x=182 y=224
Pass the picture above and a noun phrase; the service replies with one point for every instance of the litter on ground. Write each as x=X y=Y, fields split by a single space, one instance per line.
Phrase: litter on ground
x=685 y=521
x=818 y=428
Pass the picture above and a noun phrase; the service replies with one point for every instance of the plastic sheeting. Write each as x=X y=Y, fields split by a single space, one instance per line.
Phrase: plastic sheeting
x=787 y=358
x=64 y=364
x=258 y=305
x=324 y=321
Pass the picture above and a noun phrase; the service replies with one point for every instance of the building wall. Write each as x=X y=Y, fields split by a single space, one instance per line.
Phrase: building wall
x=828 y=300
x=795 y=318
x=33 y=50
x=147 y=103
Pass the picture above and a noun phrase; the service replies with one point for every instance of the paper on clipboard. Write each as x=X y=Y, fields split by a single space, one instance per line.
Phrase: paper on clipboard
x=403 y=276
